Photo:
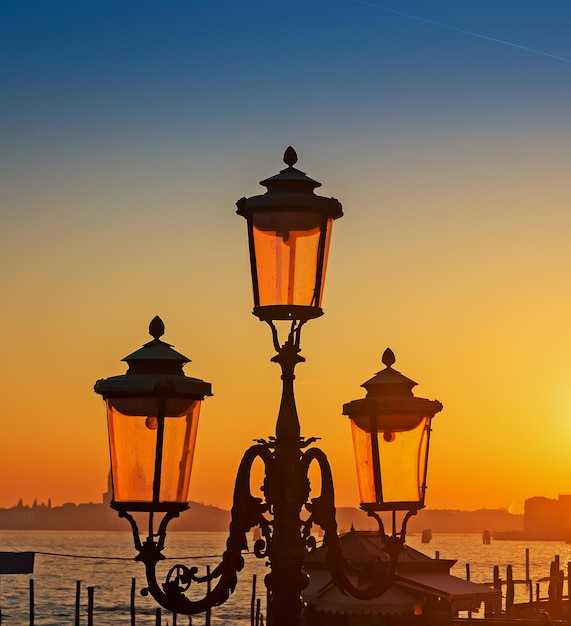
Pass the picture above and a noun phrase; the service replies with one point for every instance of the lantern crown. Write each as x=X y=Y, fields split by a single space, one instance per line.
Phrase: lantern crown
x=389 y=382
x=156 y=356
x=289 y=231
x=154 y=362
x=290 y=178
x=289 y=181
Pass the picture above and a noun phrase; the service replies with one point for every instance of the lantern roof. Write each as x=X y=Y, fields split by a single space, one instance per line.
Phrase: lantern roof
x=389 y=382
x=290 y=190
x=156 y=356
x=290 y=178
x=153 y=366
x=389 y=392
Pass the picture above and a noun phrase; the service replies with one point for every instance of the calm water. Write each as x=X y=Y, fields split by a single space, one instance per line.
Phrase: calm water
x=112 y=570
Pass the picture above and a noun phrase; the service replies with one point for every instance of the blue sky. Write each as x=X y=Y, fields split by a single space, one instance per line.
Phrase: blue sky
x=105 y=72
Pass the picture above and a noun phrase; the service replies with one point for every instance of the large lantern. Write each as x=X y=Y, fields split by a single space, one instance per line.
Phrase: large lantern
x=289 y=230
x=152 y=414
x=391 y=433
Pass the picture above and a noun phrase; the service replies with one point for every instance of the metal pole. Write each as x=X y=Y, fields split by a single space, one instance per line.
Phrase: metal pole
x=287 y=490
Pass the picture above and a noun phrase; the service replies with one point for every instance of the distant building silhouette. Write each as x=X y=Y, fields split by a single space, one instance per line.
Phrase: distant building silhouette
x=548 y=517
x=99 y=516
x=108 y=495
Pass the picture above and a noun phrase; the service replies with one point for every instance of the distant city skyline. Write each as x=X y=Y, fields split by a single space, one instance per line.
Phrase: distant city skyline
x=131 y=129
x=201 y=517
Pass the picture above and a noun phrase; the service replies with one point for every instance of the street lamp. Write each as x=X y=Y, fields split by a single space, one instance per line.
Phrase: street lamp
x=289 y=230
x=152 y=417
x=391 y=434
x=153 y=414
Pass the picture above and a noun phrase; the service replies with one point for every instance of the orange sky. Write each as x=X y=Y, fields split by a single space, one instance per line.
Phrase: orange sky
x=471 y=301
x=451 y=158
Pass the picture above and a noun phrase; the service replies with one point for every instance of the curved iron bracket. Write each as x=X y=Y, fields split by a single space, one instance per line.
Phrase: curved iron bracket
x=247 y=512
x=379 y=574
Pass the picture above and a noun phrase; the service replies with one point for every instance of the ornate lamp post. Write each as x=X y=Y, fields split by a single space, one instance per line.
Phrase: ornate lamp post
x=153 y=411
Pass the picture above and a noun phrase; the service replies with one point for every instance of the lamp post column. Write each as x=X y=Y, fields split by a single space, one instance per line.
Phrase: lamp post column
x=287 y=490
x=289 y=231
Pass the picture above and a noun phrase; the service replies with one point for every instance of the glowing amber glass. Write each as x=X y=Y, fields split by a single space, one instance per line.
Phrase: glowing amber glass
x=391 y=454
x=134 y=428
x=289 y=264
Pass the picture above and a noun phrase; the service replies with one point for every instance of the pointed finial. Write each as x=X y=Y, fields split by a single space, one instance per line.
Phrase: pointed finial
x=290 y=157
x=388 y=357
x=156 y=327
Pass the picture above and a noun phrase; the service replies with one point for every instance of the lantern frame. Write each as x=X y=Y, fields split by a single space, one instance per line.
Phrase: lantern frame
x=390 y=400
x=154 y=388
x=290 y=201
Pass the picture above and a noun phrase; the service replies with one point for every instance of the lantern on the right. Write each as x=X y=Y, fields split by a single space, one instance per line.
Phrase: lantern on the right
x=391 y=434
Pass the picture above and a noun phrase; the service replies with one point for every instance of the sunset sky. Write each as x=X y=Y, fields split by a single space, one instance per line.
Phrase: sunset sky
x=129 y=129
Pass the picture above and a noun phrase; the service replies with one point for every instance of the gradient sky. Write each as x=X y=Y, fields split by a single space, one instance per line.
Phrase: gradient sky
x=128 y=131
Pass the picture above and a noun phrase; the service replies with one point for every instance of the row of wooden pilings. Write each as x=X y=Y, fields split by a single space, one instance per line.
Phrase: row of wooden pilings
x=555 y=595
x=256 y=615
x=552 y=602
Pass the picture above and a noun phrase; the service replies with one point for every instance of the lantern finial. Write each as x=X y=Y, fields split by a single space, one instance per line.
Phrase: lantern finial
x=290 y=156
x=156 y=327
x=388 y=357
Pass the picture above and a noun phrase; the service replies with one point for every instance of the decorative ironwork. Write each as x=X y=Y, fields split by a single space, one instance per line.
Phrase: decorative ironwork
x=286 y=513
x=286 y=538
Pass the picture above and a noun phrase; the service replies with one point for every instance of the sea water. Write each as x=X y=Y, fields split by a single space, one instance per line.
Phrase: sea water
x=104 y=561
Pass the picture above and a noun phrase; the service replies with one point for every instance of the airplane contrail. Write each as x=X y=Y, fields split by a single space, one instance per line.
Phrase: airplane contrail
x=465 y=32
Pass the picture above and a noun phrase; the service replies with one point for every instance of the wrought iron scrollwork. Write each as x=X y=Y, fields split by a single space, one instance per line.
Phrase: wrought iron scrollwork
x=247 y=512
x=378 y=573
x=286 y=536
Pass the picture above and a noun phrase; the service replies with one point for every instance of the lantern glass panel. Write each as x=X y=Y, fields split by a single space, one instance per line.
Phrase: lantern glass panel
x=363 y=448
x=133 y=439
x=390 y=453
x=287 y=248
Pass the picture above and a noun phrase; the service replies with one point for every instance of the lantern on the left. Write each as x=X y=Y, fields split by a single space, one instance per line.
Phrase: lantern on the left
x=152 y=415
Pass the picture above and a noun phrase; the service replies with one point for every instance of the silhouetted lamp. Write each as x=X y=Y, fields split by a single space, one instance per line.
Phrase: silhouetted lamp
x=152 y=414
x=289 y=230
x=391 y=433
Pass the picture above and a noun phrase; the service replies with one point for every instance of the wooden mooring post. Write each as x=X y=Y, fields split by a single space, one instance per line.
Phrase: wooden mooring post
x=253 y=618
x=132 y=601
x=77 y=601
x=530 y=588
x=32 y=608
x=90 y=598
x=497 y=584
x=468 y=578
x=510 y=590
x=208 y=589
